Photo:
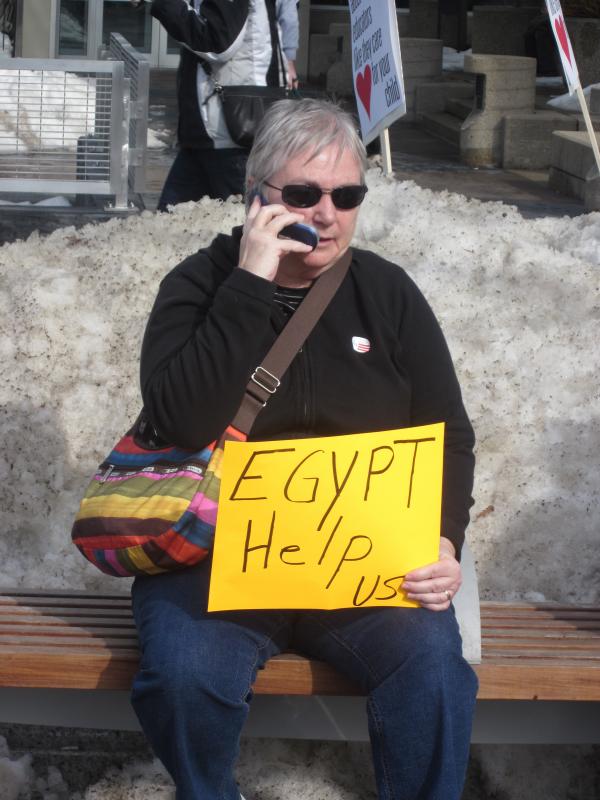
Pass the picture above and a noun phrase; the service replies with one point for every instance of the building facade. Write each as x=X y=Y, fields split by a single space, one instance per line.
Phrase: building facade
x=80 y=29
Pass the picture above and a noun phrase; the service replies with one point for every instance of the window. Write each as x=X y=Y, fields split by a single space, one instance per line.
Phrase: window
x=73 y=27
x=135 y=24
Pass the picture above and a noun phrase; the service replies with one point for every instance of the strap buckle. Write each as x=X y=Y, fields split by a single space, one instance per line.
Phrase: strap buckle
x=266 y=380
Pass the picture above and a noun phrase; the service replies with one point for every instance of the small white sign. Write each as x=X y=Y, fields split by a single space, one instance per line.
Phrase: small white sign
x=567 y=57
x=376 y=65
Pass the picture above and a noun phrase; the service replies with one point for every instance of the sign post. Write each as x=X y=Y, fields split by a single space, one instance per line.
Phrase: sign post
x=569 y=65
x=377 y=70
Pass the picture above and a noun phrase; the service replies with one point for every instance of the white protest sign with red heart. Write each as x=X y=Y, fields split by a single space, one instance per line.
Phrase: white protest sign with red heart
x=557 y=22
x=567 y=57
x=376 y=65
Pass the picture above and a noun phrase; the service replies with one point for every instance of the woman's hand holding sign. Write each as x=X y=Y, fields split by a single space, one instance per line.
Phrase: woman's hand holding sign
x=434 y=585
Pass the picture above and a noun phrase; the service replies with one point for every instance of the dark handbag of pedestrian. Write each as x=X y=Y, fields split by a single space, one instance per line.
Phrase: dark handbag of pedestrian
x=151 y=507
x=245 y=106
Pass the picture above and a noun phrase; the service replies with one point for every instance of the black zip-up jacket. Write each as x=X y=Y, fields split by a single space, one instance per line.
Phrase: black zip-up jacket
x=212 y=324
x=233 y=40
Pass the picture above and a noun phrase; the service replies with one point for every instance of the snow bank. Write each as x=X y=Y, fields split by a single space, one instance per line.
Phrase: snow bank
x=19 y=781
x=44 y=120
x=138 y=781
x=267 y=769
x=518 y=300
x=15 y=774
x=303 y=770
x=453 y=60
x=570 y=102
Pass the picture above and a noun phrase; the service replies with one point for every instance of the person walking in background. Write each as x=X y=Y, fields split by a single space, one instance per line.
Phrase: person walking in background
x=232 y=42
x=289 y=27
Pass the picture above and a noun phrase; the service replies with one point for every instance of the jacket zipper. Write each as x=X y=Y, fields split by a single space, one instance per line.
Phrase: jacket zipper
x=306 y=385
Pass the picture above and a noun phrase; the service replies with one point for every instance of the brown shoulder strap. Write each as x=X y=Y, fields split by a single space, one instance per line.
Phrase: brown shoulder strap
x=267 y=376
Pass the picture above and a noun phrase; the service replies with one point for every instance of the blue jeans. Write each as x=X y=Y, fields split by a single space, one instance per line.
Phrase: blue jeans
x=194 y=686
x=196 y=173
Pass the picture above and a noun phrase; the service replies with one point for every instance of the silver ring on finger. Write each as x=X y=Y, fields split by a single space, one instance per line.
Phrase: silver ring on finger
x=448 y=595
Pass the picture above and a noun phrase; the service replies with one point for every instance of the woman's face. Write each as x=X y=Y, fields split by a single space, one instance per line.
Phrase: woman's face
x=328 y=170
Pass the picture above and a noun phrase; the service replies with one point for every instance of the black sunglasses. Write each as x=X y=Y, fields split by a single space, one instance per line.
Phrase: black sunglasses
x=307 y=195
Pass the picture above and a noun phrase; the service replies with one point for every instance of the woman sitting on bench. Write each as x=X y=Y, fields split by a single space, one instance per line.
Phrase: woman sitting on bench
x=215 y=317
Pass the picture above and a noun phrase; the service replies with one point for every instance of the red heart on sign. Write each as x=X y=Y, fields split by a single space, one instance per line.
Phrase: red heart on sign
x=563 y=37
x=363 y=88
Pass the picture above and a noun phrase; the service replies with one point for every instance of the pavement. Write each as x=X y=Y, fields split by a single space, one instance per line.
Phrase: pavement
x=433 y=164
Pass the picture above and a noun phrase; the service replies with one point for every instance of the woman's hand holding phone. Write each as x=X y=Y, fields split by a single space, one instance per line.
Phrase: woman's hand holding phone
x=264 y=242
x=299 y=231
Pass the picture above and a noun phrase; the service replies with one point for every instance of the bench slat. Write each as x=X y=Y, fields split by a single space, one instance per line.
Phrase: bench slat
x=533 y=681
x=553 y=656
x=544 y=625
x=8 y=596
x=25 y=621
x=498 y=610
x=571 y=648
x=16 y=604
x=533 y=635
x=41 y=611
x=92 y=669
x=82 y=640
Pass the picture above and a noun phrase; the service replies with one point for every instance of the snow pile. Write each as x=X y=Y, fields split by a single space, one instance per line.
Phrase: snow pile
x=15 y=774
x=5 y=46
x=18 y=779
x=159 y=139
x=44 y=110
x=267 y=769
x=304 y=770
x=138 y=781
x=453 y=60
x=570 y=102
x=518 y=300
x=56 y=202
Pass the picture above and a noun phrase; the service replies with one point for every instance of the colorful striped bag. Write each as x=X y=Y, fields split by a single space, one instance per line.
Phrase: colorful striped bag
x=152 y=508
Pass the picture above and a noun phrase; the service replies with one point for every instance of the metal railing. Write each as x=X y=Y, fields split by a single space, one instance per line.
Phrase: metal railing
x=137 y=70
x=64 y=127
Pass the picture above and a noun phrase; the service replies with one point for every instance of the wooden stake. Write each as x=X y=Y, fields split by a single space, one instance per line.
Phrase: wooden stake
x=386 y=153
x=589 y=126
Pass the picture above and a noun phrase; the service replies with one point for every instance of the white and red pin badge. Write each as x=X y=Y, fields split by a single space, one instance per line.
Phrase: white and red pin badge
x=360 y=344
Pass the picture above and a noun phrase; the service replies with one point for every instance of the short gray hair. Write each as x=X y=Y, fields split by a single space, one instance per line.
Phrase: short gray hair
x=291 y=127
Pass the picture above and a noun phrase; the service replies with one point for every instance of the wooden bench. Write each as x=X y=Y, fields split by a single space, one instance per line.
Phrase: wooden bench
x=58 y=640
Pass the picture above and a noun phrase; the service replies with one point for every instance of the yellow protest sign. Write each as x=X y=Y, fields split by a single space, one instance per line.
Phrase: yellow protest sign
x=330 y=522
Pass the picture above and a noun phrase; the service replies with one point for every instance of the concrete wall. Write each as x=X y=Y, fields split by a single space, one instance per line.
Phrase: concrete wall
x=37 y=32
x=585 y=39
x=322 y=18
x=500 y=30
x=509 y=88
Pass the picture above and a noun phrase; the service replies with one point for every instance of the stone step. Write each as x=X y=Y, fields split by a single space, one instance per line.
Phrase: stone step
x=433 y=96
x=527 y=140
x=573 y=168
x=460 y=107
x=461 y=82
x=444 y=126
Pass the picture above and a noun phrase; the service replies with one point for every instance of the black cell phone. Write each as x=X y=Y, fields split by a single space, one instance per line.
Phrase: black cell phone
x=299 y=231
